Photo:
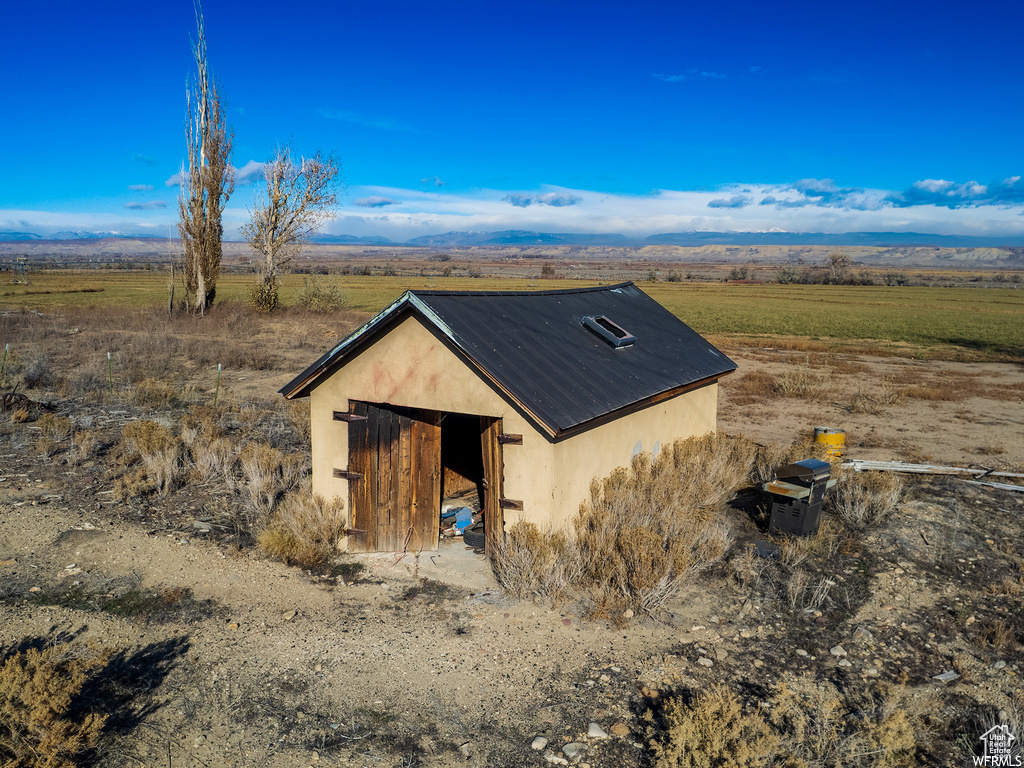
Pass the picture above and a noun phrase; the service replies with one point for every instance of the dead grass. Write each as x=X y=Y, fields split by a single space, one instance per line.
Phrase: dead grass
x=648 y=529
x=876 y=400
x=269 y=473
x=873 y=726
x=305 y=529
x=803 y=381
x=39 y=727
x=159 y=450
x=753 y=387
x=865 y=499
x=528 y=562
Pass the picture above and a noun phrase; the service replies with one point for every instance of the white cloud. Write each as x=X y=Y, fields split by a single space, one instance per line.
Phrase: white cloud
x=248 y=174
x=140 y=187
x=808 y=205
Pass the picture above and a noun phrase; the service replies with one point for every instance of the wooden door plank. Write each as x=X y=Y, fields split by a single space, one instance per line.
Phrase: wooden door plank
x=361 y=511
x=402 y=484
x=427 y=478
x=385 y=499
x=373 y=417
x=490 y=448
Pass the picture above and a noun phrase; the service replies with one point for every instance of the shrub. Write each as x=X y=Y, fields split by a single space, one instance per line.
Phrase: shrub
x=528 y=562
x=873 y=727
x=647 y=529
x=865 y=499
x=264 y=295
x=875 y=402
x=269 y=473
x=83 y=445
x=55 y=427
x=305 y=529
x=321 y=294
x=38 y=374
x=39 y=727
x=159 y=450
x=801 y=381
x=712 y=731
x=214 y=458
x=154 y=393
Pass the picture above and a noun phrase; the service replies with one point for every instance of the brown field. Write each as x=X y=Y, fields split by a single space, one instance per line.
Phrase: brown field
x=144 y=541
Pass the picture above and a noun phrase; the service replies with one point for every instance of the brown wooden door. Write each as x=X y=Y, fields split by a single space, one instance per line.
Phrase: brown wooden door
x=396 y=501
x=490 y=447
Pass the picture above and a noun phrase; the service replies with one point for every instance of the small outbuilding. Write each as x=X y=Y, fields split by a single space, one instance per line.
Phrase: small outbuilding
x=519 y=397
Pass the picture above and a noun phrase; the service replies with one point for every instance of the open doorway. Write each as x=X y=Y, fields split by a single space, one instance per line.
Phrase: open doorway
x=408 y=466
x=462 y=478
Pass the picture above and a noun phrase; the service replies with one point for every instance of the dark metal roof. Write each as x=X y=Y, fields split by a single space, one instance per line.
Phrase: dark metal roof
x=534 y=346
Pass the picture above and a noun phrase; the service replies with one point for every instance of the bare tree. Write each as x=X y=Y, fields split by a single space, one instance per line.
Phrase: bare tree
x=838 y=265
x=207 y=183
x=299 y=198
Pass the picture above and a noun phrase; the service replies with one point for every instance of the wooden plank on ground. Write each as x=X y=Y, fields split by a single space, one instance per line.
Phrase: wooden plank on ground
x=864 y=465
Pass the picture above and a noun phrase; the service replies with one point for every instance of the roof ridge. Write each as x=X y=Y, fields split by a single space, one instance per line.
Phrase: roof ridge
x=551 y=292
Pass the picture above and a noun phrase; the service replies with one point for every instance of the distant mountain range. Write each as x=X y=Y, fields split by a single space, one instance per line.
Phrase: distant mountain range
x=613 y=240
x=876 y=239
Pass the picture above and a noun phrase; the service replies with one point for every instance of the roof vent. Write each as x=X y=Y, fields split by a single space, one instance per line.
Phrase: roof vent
x=611 y=332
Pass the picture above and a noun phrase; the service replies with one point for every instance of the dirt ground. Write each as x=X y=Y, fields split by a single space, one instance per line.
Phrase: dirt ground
x=421 y=660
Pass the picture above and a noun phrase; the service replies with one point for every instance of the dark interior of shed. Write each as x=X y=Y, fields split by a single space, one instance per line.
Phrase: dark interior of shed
x=462 y=483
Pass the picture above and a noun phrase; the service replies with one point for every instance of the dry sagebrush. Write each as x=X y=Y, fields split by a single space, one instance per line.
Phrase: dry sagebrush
x=530 y=562
x=38 y=725
x=160 y=451
x=716 y=728
x=305 y=529
x=865 y=499
x=644 y=531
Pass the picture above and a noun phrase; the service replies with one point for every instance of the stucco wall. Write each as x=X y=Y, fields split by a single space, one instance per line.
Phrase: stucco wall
x=409 y=366
x=596 y=452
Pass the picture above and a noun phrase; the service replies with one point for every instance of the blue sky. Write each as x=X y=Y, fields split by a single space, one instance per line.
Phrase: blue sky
x=636 y=117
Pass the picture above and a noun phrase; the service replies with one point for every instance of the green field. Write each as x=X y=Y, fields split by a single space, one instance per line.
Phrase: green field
x=989 y=321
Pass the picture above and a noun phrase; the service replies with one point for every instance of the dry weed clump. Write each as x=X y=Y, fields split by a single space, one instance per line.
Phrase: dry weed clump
x=947 y=389
x=767 y=459
x=305 y=529
x=214 y=458
x=647 y=529
x=865 y=499
x=321 y=294
x=713 y=730
x=529 y=562
x=876 y=401
x=83 y=445
x=871 y=727
x=155 y=393
x=269 y=473
x=54 y=430
x=801 y=381
x=159 y=450
x=753 y=387
x=38 y=688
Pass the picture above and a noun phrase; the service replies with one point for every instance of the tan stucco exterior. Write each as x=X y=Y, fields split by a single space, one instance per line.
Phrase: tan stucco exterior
x=409 y=366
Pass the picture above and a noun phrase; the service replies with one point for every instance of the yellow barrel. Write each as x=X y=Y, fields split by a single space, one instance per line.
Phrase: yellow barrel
x=835 y=439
